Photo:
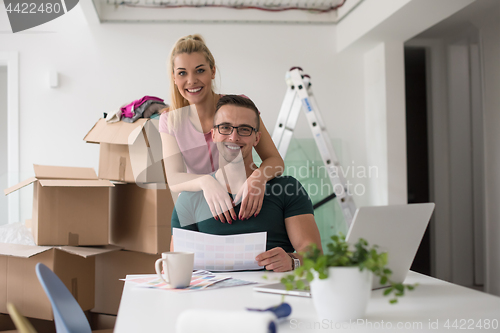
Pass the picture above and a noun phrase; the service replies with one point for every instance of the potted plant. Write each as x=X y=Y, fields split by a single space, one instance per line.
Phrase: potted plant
x=341 y=279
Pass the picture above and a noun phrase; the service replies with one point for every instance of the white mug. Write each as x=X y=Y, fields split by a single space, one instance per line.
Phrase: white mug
x=178 y=267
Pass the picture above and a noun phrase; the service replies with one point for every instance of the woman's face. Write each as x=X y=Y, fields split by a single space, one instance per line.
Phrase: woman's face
x=193 y=76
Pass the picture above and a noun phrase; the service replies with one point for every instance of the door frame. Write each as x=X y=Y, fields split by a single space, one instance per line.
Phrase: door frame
x=447 y=264
x=11 y=60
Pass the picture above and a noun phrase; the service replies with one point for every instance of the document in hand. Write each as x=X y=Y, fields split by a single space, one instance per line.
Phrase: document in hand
x=221 y=253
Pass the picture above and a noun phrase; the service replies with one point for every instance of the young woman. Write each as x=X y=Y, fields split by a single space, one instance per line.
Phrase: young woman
x=188 y=150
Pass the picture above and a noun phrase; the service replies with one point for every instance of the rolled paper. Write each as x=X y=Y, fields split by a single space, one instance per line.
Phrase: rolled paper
x=219 y=321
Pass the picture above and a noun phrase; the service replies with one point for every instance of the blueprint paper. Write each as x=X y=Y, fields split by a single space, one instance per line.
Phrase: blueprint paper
x=221 y=253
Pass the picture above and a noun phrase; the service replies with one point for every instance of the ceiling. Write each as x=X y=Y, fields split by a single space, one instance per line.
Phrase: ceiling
x=223 y=11
x=475 y=13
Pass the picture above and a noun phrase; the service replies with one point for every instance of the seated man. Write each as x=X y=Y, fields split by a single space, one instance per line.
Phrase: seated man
x=286 y=214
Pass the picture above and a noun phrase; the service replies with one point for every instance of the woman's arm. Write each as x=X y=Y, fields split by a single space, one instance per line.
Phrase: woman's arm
x=272 y=165
x=179 y=180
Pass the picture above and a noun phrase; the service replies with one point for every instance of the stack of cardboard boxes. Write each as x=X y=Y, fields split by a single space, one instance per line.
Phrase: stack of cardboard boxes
x=141 y=204
x=73 y=209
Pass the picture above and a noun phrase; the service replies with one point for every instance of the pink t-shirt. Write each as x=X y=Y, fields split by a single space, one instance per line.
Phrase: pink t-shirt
x=200 y=153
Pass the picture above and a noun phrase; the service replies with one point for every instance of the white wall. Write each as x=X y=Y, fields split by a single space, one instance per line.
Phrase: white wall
x=103 y=66
x=370 y=49
x=371 y=59
x=484 y=17
x=385 y=122
x=3 y=142
x=398 y=20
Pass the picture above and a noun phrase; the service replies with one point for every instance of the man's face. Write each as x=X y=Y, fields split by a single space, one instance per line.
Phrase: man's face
x=234 y=147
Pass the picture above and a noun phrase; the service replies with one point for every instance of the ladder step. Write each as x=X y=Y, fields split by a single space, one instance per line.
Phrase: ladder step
x=296 y=99
x=324 y=201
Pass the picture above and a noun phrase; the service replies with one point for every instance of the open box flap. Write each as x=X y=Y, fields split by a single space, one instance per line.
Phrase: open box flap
x=121 y=133
x=26 y=251
x=75 y=183
x=23 y=251
x=20 y=185
x=58 y=172
x=84 y=251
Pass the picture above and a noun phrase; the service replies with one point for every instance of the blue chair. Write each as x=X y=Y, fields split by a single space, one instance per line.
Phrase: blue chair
x=68 y=315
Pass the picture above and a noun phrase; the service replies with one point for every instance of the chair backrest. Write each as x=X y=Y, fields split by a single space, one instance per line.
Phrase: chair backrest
x=22 y=324
x=68 y=315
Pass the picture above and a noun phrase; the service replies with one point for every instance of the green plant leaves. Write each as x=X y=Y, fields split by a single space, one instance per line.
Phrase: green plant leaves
x=339 y=254
x=300 y=284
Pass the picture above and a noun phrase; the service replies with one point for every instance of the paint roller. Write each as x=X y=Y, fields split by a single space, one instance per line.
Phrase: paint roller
x=241 y=321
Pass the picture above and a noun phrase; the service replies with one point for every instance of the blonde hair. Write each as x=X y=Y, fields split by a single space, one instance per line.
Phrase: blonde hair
x=187 y=44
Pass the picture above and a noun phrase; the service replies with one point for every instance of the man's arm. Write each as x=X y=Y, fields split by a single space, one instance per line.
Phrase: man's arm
x=302 y=232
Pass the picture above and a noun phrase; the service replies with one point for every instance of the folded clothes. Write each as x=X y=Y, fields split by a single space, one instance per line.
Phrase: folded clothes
x=114 y=116
x=139 y=112
x=128 y=110
x=153 y=109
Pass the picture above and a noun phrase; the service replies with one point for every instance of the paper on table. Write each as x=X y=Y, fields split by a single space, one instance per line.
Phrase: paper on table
x=197 y=283
x=221 y=253
x=140 y=278
x=201 y=280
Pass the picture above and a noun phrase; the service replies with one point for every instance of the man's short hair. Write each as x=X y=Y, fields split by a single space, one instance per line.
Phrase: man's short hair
x=238 y=101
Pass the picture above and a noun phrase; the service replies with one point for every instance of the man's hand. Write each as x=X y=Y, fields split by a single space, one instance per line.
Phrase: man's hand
x=276 y=260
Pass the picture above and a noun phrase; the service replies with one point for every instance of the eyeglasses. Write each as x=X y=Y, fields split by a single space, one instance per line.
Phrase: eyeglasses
x=244 y=130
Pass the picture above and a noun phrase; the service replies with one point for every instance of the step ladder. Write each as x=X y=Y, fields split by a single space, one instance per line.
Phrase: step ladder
x=299 y=96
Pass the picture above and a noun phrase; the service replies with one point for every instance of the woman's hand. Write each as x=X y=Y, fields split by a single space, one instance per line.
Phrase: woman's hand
x=252 y=195
x=275 y=259
x=218 y=200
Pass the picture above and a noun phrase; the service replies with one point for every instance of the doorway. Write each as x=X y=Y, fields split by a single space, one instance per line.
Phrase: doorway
x=9 y=134
x=452 y=63
x=417 y=159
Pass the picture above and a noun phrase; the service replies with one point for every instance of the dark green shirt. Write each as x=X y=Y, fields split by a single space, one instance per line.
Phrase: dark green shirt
x=284 y=197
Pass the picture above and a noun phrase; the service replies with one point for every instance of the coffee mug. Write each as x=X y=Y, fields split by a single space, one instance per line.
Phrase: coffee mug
x=178 y=268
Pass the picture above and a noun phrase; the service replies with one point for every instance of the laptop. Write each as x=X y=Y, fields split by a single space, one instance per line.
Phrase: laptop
x=396 y=229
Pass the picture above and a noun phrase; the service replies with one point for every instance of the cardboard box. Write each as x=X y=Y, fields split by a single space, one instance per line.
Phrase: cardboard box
x=40 y=326
x=140 y=217
x=129 y=152
x=70 y=206
x=75 y=266
x=99 y=321
x=6 y=323
x=110 y=268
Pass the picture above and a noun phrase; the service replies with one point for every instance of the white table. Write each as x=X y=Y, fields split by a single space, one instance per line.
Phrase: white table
x=426 y=309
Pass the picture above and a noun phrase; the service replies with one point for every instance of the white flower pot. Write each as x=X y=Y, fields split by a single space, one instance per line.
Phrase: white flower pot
x=343 y=295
